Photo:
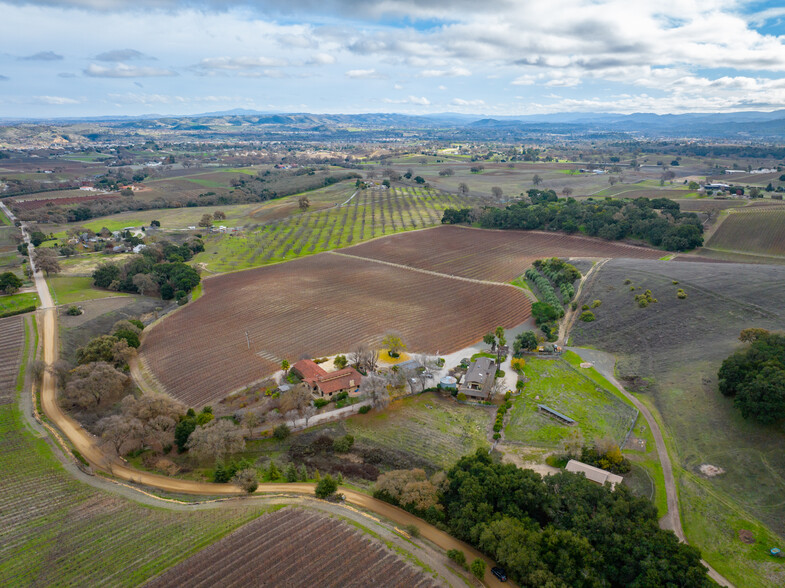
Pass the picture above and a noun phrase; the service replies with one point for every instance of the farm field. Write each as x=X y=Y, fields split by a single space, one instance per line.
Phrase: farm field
x=72 y=289
x=434 y=428
x=318 y=550
x=12 y=339
x=663 y=355
x=492 y=255
x=14 y=302
x=758 y=231
x=245 y=323
x=72 y=534
x=369 y=214
x=555 y=383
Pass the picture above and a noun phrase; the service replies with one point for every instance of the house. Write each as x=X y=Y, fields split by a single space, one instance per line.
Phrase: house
x=479 y=379
x=325 y=384
x=594 y=474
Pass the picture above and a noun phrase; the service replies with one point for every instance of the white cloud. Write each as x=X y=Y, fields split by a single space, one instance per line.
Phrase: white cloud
x=363 y=74
x=55 y=100
x=462 y=102
x=445 y=73
x=121 y=70
x=238 y=63
x=322 y=59
x=418 y=100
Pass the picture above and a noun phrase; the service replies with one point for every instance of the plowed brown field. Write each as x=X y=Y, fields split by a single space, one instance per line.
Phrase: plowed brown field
x=295 y=548
x=499 y=256
x=247 y=322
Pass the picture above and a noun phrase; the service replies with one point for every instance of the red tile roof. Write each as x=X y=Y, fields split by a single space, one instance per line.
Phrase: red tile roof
x=309 y=370
x=340 y=380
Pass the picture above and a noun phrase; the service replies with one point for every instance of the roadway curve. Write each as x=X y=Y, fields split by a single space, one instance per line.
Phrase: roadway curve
x=87 y=445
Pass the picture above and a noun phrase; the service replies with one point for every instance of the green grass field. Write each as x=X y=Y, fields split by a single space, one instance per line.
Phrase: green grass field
x=17 y=301
x=72 y=289
x=431 y=427
x=556 y=384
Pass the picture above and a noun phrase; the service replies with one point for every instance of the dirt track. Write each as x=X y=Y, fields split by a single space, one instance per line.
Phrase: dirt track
x=85 y=443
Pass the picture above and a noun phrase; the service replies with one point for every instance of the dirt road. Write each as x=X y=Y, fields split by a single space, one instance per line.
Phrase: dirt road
x=86 y=444
x=671 y=520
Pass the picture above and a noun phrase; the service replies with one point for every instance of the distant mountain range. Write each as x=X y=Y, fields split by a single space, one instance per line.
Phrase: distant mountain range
x=753 y=125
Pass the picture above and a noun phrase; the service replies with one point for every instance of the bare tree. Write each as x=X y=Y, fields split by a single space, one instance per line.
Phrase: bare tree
x=374 y=387
x=303 y=203
x=308 y=413
x=36 y=369
x=118 y=431
x=46 y=261
x=246 y=480
x=145 y=284
x=217 y=439
x=93 y=383
x=497 y=192
x=566 y=191
x=364 y=358
x=298 y=399
x=536 y=180
x=251 y=420
x=60 y=370
x=463 y=189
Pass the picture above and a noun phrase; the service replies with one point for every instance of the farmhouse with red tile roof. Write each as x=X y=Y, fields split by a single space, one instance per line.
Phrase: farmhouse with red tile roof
x=324 y=383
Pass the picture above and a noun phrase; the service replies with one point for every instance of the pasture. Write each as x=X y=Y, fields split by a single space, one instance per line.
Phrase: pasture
x=499 y=256
x=245 y=323
x=15 y=302
x=73 y=289
x=557 y=384
x=669 y=353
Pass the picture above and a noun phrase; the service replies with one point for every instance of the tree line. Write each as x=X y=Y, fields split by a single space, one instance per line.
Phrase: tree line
x=657 y=221
x=561 y=530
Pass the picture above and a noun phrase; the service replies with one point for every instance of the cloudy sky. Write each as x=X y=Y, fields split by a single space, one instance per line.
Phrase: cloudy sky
x=107 y=57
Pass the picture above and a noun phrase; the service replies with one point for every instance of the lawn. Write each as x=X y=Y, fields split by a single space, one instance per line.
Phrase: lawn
x=72 y=289
x=599 y=412
x=16 y=302
x=434 y=428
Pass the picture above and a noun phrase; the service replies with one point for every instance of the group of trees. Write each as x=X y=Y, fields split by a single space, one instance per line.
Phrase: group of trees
x=9 y=283
x=563 y=529
x=755 y=376
x=159 y=270
x=658 y=221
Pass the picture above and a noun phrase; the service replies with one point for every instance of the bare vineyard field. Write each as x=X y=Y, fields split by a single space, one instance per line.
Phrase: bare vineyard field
x=317 y=551
x=57 y=531
x=368 y=214
x=245 y=323
x=24 y=204
x=498 y=256
x=758 y=230
x=12 y=339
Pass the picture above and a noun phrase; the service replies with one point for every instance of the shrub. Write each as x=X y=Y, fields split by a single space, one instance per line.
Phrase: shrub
x=461 y=396
x=321 y=402
x=281 y=432
x=675 y=282
x=681 y=294
x=341 y=396
x=587 y=316
x=585 y=307
x=413 y=530
x=340 y=361
x=478 y=568
x=596 y=303
x=73 y=311
x=458 y=557
x=627 y=282
x=497 y=435
x=326 y=487
x=365 y=409
x=343 y=444
x=130 y=337
x=574 y=304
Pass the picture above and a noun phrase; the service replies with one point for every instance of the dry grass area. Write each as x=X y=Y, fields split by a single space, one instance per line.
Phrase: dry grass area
x=295 y=548
x=245 y=323
x=499 y=256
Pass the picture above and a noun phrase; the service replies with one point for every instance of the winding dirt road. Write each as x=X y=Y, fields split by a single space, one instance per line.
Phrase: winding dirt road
x=86 y=444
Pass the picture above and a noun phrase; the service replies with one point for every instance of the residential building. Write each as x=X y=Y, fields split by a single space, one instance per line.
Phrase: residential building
x=326 y=384
x=479 y=379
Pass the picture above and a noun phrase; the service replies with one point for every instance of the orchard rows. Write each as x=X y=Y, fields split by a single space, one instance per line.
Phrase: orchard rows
x=370 y=214
x=12 y=339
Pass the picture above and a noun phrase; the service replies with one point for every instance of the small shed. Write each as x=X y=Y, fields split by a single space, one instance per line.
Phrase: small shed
x=594 y=474
x=448 y=383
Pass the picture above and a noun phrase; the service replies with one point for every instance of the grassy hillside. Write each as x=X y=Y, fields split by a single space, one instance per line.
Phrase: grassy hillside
x=669 y=352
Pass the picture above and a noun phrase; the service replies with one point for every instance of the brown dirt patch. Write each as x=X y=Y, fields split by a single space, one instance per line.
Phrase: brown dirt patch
x=746 y=536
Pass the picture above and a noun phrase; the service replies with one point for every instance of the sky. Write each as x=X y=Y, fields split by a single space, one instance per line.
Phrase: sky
x=65 y=58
